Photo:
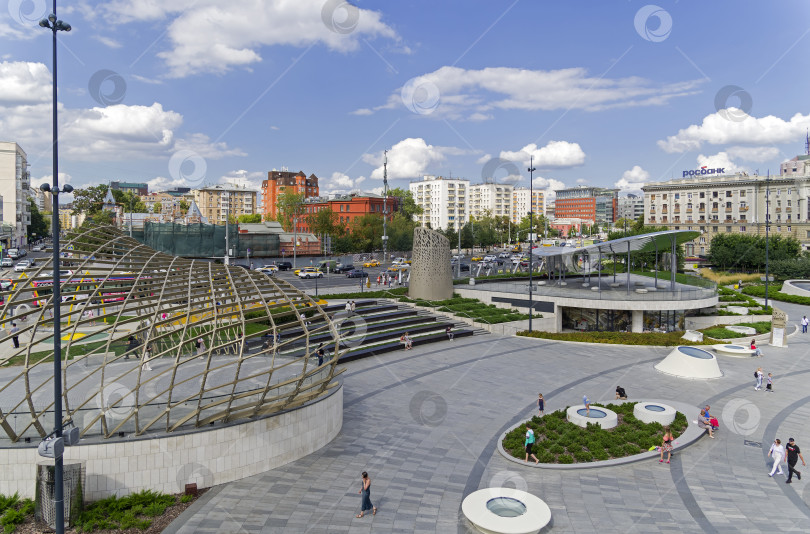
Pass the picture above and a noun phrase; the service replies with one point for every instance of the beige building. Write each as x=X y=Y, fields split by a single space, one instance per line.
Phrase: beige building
x=494 y=200
x=14 y=184
x=443 y=201
x=731 y=204
x=520 y=203
x=218 y=201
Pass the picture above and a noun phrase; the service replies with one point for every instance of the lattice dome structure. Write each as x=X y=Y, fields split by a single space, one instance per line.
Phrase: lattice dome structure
x=223 y=343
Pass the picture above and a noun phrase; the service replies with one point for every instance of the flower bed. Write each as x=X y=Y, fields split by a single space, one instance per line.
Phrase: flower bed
x=558 y=441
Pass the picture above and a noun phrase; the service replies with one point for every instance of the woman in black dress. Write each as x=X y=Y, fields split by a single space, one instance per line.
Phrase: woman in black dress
x=365 y=496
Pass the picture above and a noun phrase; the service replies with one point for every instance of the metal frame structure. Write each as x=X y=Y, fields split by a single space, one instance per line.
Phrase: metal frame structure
x=126 y=307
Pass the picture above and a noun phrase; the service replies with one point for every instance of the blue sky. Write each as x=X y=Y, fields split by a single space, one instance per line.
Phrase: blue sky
x=614 y=93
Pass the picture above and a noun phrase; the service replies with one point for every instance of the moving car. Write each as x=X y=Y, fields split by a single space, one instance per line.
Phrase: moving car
x=36 y=248
x=6 y=262
x=503 y=255
x=476 y=258
x=345 y=268
x=268 y=269
x=357 y=273
x=6 y=284
x=398 y=268
x=284 y=265
x=21 y=266
x=464 y=267
x=13 y=253
x=310 y=272
x=371 y=263
x=490 y=258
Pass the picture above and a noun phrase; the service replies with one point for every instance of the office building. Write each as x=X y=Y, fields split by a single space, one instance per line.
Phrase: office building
x=520 y=203
x=488 y=199
x=630 y=207
x=593 y=204
x=443 y=201
x=15 y=182
x=220 y=201
x=347 y=208
x=551 y=204
x=136 y=188
x=284 y=181
x=731 y=204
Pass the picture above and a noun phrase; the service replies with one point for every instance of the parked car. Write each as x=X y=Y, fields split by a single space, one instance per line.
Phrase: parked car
x=36 y=248
x=310 y=272
x=403 y=267
x=6 y=284
x=371 y=263
x=458 y=256
x=345 y=268
x=13 y=253
x=6 y=262
x=284 y=265
x=490 y=258
x=503 y=255
x=21 y=266
x=357 y=273
x=270 y=267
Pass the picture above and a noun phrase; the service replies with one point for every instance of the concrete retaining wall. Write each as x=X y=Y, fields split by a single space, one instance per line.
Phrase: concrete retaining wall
x=699 y=323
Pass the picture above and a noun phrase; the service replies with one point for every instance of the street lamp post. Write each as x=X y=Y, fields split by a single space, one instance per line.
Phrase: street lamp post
x=385 y=208
x=531 y=236
x=767 y=225
x=58 y=498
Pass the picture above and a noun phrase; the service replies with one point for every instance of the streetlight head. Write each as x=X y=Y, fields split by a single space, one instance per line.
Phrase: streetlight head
x=64 y=26
x=52 y=17
x=45 y=187
x=44 y=23
x=67 y=188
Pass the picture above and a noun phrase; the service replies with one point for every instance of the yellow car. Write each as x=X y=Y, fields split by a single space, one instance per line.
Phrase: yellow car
x=398 y=268
x=304 y=269
x=476 y=258
x=371 y=263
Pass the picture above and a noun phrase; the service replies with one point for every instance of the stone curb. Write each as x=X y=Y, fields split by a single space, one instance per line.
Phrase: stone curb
x=689 y=436
x=181 y=520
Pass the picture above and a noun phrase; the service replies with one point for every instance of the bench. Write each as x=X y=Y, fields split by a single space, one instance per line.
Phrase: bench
x=641 y=290
x=735 y=351
x=615 y=284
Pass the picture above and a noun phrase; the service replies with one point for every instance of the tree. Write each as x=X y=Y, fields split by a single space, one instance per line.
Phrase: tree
x=250 y=218
x=747 y=252
x=324 y=222
x=89 y=200
x=366 y=232
x=39 y=225
x=129 y=201
x=407 y=206
x=157 y=207
x=400 y=232
x=289 y=206
x=183 y=205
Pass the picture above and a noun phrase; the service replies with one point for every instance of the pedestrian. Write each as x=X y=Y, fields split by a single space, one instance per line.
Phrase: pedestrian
x=15 y=338
x=758 y=375
x=449 y=332
x=365 y=497
x=769 y=385
x=666 y=445
x=378 y=280
x=352 y=308
x=621 y=393
x=90 y=317
x=320 y=354
x=251 y=266
x=587 y=404
x=348 y=307
x=793 y=455
x=541 y=404
x=529 y=445
x=705 y=423
x=805 y=322
x=405 y=339
x=777 y=452
x=757 y=352
x=147 y=355
x=200 y=347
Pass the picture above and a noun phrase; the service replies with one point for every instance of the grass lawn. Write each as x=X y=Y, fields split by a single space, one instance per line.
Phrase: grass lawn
x=720 y=332
x=670 y=339
x=558 y=441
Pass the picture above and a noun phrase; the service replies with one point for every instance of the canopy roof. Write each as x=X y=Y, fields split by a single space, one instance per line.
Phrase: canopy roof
x=661 y=241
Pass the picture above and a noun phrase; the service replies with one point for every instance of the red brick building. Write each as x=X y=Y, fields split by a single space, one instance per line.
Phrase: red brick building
x=349 y=207
x=279 y=182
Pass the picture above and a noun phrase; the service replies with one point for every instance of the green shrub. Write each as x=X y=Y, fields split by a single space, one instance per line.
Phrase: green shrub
x=583 y=456
x=600 y=455
x=186 y=498
x=669 y=339
x=556 y=449
x=565 y=459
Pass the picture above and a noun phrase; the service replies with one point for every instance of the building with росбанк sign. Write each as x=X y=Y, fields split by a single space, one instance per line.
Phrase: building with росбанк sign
x=703 y=171
x=732 y=203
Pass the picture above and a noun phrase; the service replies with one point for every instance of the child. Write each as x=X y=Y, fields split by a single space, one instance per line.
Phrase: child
x=769 y=386
x=541 y=403
x=587 y=404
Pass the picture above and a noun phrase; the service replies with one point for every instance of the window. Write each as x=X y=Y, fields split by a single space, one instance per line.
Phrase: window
x=728 y=229
x=778 y=228
x=788 y=228
x=742 y=193
x=742 y=228
x=703 y=240
x=715 y=194
x=703 y=250
x=702 y=228
x=677 y=196
x=728 y=194
x=715 y=228
x=702 y=195
x=742 y=217
x=728 y=205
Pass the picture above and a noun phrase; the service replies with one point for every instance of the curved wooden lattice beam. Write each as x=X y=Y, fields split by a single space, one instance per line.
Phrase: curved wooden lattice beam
x=127 y=307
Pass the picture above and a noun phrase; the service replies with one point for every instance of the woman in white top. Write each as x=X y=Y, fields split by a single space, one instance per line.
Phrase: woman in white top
x=778 y=453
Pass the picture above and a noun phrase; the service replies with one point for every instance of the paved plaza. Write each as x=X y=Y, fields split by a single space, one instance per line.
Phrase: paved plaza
x=425 y=423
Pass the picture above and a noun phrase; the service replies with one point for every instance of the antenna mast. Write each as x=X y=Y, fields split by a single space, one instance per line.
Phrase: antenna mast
x=385 y=206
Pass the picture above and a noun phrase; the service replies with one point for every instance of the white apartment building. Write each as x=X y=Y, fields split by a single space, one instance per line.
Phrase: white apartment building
x=14 y=184
x=494 y=200
x=218 y=201
x=520 y=203
x=444 y=201
x=551 y=205
x=730 y=204
x=630 y=207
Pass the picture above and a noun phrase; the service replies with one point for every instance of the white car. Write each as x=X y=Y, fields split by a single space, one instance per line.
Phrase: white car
x=310 y=273
x=21 y=266
x=36 y=248
x=6 y=262
x=490 y=258
x=503 y=255
x=516 y=258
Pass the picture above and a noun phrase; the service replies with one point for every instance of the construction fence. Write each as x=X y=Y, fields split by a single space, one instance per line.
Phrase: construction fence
x=205 y=240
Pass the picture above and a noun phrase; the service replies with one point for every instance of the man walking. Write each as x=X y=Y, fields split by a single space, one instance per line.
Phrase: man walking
x=805 y=322
x=15 y=338
x=793 y=455
x=778 y=453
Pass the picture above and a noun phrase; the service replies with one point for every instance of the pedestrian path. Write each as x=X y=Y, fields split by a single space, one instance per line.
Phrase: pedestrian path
x=424 y=424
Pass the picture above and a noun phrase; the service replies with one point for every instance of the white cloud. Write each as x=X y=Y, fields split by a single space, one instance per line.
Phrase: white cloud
x=753 y=153
x=340 y=183
x=550 y=185
x=410 y=158
x=24 y=83
x=718 y=161
x=483 y=159
x=212 y=36
x=48 y=179
x=716 y=129
x=362 y=111
x=582 y=181
x=243 y=178
x=473 y=94
x=144 y=79
x=555 y=155
x=161 y=183
x=633 y=180
x=202 y=145
x=107 y=41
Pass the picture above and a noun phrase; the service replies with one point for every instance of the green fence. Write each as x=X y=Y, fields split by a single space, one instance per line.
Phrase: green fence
x=205 y=240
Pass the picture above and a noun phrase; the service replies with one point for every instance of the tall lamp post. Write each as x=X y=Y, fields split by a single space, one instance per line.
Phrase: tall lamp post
x=58 y=497
x=767 y=225
x=385 y=207
x=531 y=236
